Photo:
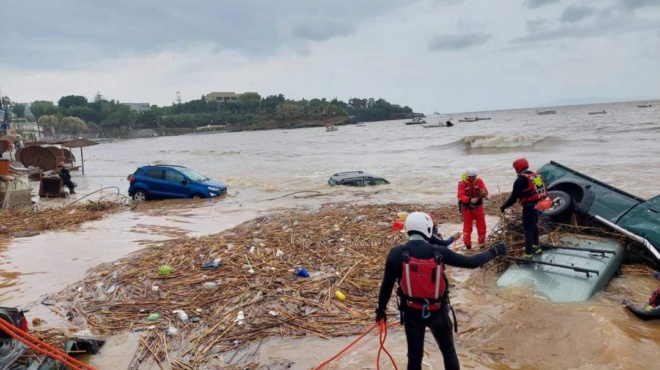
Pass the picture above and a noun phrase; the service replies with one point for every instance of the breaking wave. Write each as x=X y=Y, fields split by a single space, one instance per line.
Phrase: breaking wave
x=513 y=141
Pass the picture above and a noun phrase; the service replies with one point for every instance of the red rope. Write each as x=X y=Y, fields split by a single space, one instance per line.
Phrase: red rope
x=382 y=329
x=324 y=363
x=42 y=347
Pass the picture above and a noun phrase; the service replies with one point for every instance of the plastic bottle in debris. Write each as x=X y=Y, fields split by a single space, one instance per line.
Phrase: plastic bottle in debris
x=212 y=265
x=182 y=314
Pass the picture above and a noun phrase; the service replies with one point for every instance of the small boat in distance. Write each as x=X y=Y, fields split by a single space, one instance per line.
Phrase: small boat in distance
x=434 y=126
x=483 y=118
x=468 y=119
x=601 y=112
x=361 y=125
x=544 y=112
x=331 y=128
x=416 y=121
x=644 y=105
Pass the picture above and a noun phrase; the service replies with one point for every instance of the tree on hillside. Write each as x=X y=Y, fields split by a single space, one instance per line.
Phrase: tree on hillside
x=86 y=113
x=269 y=103
x=19 y=110
x=73 y=125
x=43 y=108
x=72 y=101
x=358 y=103
x=50 y=123
x=249 y=102
x=117 y=116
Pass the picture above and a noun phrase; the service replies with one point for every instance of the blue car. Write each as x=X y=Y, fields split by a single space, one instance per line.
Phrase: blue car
x=168 y=181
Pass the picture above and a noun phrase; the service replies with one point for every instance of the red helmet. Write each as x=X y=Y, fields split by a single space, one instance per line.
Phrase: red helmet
x=520 y=164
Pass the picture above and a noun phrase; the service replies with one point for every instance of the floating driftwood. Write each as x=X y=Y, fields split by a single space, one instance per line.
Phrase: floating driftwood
x=28 y=221
x=254 y=292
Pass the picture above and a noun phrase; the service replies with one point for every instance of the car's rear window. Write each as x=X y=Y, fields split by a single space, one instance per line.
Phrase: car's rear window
x=156 y=174
x=173 y=176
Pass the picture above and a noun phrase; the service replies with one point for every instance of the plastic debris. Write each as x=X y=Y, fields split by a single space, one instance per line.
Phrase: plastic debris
x=164 y=270
x=153 y=317
x=172 y=331
x=212 y=265
x=182 y=315
x=210 y=285
x=240 y=317
x=302 y=272
x=340 y=296
x=279 y=253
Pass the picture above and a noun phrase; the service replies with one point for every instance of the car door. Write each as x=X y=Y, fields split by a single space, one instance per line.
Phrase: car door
x=154 y=179
x=174 y=185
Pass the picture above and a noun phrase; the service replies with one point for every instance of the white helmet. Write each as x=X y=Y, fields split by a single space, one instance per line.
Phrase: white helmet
x=471 y=171
x=420 y=223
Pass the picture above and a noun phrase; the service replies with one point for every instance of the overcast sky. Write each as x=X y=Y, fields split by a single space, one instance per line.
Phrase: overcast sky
x=432 y=55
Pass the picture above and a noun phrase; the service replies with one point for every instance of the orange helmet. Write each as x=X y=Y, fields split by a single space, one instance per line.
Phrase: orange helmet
x=520 y=164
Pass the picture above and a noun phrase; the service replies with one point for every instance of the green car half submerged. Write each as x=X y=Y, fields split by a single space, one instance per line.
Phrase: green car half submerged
x=582 y=265
x=636 y=217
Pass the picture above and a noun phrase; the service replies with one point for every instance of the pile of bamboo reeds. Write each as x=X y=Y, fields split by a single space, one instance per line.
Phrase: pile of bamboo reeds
x=19 y=222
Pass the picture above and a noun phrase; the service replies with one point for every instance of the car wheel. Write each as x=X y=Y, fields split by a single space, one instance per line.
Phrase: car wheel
x=561 y=205
x=198 y=196
x=140 y=196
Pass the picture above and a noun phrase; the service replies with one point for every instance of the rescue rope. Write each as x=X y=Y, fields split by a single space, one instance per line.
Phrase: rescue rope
x=382 y=331
x=42 y=347
x=383 y=336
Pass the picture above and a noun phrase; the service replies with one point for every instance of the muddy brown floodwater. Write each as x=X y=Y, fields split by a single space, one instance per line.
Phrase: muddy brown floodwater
x=498 y=328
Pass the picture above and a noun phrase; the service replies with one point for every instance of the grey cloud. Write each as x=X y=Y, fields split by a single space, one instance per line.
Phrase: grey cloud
x=574 y=14
x=537 y=25
x=457 y=42
x=44 y=32
x=607 y=21
x=598 y=30
x=321 y=31
x=537 y=3
x=634 y=4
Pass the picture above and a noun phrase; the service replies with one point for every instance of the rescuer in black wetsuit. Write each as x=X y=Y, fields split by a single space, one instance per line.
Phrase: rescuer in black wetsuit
x=419 y=312
x=528 y=189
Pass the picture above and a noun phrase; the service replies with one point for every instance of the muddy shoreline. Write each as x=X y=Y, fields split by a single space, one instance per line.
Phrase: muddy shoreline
x=485 y=314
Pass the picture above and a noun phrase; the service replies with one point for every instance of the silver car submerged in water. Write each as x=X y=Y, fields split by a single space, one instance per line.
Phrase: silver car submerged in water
x=356 y=178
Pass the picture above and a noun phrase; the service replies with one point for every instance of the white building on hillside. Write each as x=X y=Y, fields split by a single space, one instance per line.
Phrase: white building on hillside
x=139 y=107
x=221 y=97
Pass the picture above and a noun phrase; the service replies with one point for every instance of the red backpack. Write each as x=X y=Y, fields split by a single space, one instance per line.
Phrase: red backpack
x=423 y=281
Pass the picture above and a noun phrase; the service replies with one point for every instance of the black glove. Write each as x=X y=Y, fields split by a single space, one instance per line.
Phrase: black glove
x=380 y=315
x=499 y=249
x=502 y=209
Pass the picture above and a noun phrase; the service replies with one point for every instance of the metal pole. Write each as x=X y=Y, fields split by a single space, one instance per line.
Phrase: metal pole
x=82 y=161
x=632 y=236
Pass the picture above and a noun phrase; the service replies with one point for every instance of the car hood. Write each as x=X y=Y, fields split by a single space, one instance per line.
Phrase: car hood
x=214 y=183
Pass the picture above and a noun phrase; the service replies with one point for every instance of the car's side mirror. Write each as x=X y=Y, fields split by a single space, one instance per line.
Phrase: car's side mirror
x=184 y=182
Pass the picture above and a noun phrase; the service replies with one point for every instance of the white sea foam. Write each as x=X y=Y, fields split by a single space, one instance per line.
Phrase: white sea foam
x=507 y=141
